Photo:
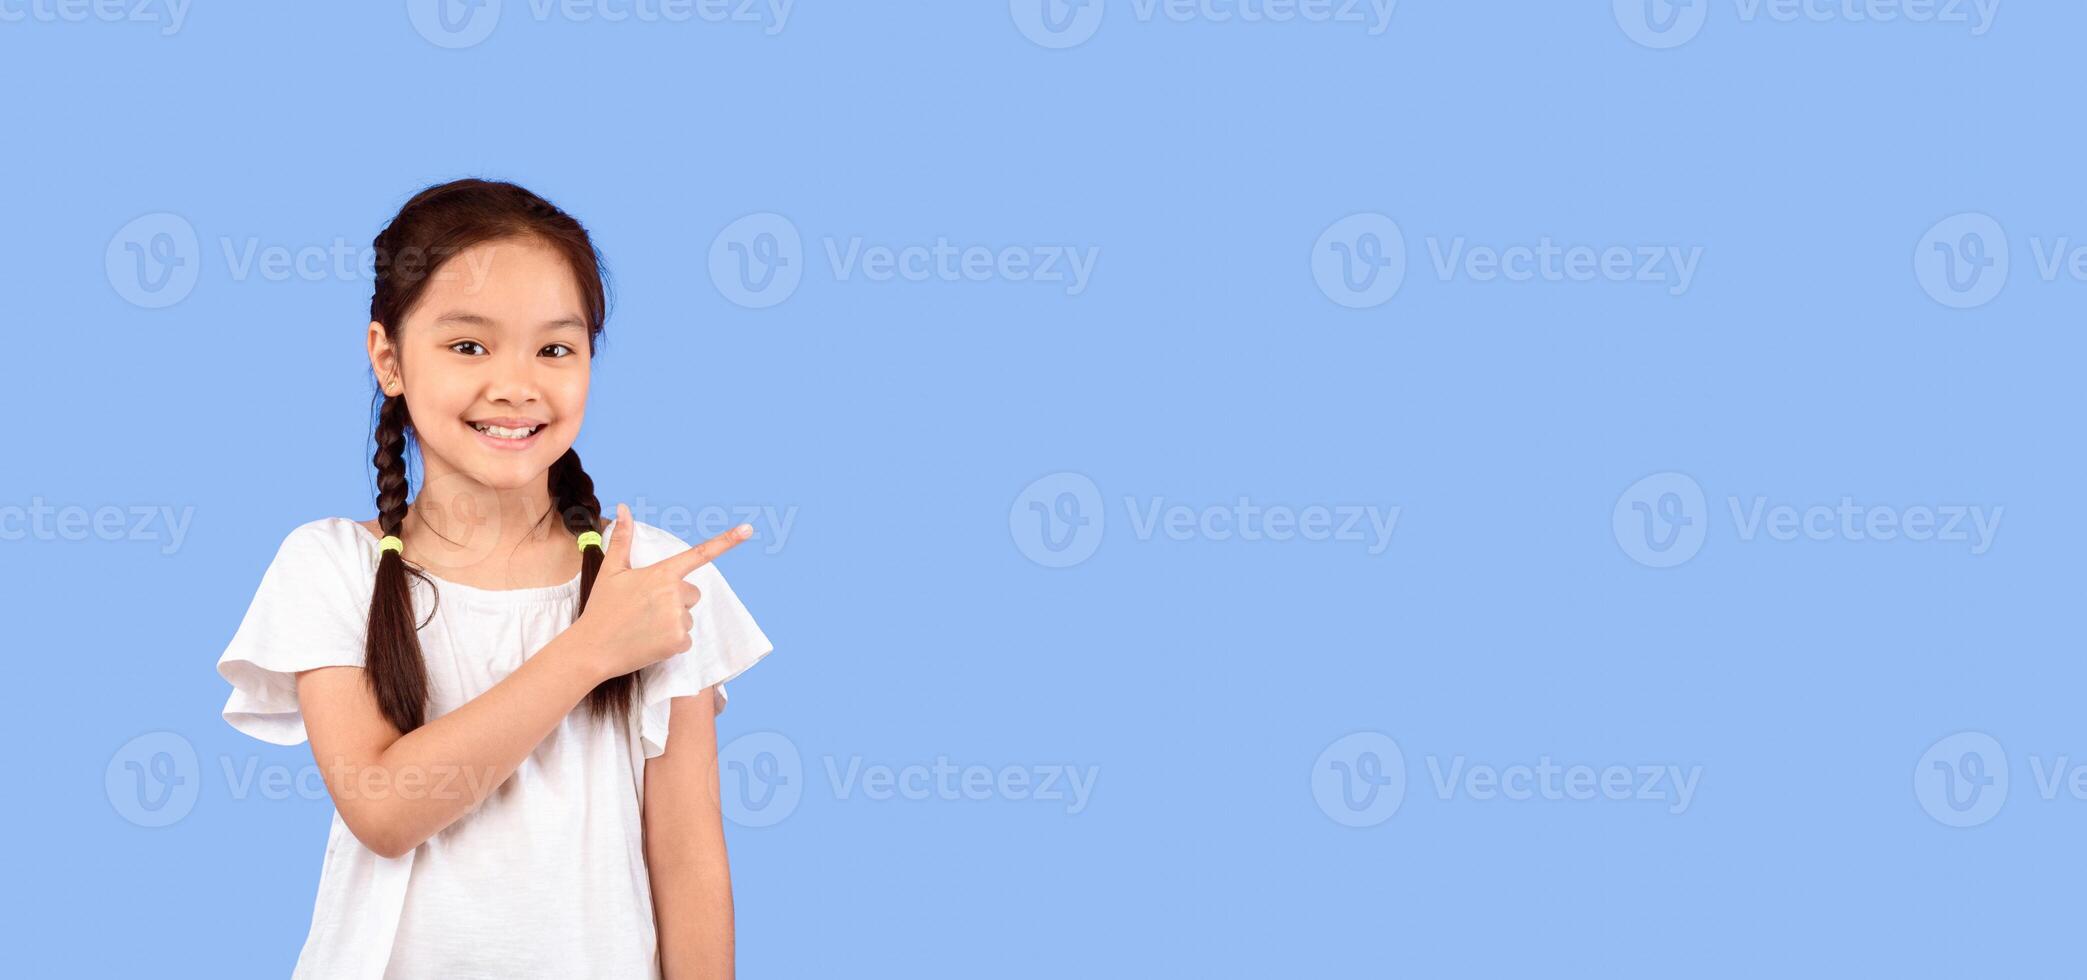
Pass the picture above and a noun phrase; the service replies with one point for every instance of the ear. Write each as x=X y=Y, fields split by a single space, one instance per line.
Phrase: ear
x=384 y=360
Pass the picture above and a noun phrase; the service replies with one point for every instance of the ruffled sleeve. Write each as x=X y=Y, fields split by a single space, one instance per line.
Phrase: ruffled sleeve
x=311 y=610
x=724 y=642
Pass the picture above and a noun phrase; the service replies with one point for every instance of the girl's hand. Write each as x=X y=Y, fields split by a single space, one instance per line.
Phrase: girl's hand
x=640 y=616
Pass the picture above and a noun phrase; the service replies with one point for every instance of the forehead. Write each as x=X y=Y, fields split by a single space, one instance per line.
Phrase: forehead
x=507 y=283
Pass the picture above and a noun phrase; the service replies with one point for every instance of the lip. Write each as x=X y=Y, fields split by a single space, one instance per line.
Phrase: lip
x=508 y=445
x=508 y=422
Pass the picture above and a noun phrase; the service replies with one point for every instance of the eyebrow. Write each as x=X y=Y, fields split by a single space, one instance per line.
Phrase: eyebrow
x=473 y=319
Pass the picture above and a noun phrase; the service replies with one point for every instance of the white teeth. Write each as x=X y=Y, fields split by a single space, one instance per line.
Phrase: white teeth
x=501 y=432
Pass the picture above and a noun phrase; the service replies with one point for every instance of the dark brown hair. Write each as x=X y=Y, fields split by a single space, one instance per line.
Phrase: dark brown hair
x=434 y=227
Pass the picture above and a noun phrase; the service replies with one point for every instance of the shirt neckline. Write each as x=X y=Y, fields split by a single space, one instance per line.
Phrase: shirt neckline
x=536 y=593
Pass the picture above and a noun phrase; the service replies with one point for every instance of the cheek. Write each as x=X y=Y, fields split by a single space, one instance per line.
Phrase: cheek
x=571 y=396
x=436 y=400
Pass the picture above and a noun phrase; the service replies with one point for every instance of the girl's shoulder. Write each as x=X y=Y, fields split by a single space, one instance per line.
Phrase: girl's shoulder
x=337 y=542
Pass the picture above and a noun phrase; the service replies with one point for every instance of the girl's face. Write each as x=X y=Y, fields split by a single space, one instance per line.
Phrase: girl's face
x=493 y=362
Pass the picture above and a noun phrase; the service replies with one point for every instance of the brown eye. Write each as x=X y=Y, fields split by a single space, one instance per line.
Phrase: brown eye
x=568 y=351
x=466 y=343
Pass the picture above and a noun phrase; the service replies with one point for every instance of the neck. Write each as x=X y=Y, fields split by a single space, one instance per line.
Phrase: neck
x=457 y=521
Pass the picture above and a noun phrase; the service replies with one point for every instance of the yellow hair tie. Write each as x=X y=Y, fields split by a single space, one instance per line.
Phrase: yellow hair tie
x=391 y=542
x=589 y=538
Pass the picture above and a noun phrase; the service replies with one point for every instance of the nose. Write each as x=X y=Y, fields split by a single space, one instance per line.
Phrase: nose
x=513 y=379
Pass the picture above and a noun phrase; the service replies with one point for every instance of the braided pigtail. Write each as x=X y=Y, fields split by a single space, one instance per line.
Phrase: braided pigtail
x=572 y=494
x=392 y=662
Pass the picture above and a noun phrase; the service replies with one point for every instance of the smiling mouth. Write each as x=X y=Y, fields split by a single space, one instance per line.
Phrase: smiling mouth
x=506 y=432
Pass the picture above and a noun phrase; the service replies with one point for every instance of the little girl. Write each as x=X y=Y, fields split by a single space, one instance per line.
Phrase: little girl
x=507 y=801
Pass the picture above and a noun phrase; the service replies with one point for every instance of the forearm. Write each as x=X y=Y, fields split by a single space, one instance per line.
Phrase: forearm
x=685 y=845
x=440 y=771
x=692 y=908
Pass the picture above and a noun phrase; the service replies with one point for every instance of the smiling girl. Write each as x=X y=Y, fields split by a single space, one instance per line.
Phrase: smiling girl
x=488 y=672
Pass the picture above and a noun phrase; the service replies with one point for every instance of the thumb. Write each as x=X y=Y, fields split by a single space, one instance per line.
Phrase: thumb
x=617 y=556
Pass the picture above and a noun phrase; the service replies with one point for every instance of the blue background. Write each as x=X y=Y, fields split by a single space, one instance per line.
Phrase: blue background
x=1506 y=621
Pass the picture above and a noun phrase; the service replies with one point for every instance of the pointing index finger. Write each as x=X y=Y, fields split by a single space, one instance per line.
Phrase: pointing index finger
x=696 y=557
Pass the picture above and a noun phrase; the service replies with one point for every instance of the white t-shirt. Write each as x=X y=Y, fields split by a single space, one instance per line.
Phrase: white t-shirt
x=546 y=877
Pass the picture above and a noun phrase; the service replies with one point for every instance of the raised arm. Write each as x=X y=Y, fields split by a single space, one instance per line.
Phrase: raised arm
x=395 y=791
